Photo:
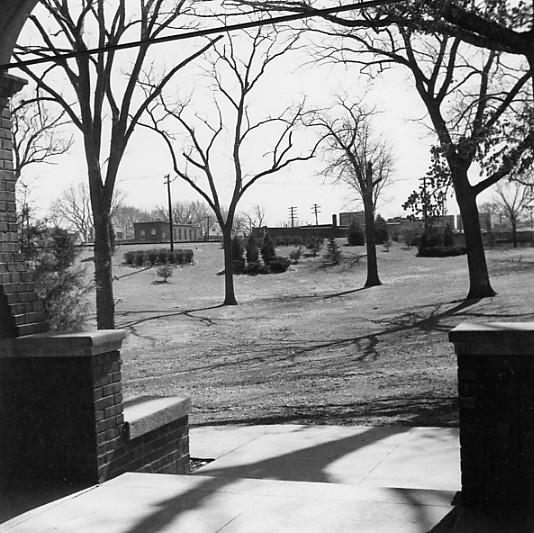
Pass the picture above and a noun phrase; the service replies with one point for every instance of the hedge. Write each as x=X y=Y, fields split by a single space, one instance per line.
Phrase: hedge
x=441 y=251
x=154 y=257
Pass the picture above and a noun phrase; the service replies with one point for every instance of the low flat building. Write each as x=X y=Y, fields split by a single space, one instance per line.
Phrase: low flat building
x=158 y=231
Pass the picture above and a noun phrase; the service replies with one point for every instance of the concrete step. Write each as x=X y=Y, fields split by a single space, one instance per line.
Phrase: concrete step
x=208 y=504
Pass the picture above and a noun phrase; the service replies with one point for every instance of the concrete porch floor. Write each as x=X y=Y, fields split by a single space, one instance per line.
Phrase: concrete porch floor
x=285 y=478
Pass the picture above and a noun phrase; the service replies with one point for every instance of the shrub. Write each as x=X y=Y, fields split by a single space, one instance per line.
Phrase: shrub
x=238 y=266
x=441 y=251
x=238 y=250
x=252 y=250
x=430 y=238
x=314 y=244
x=267 y=250
x=381 y=230
x=154 y=257
x=51 y=253
x=333 y=252
x=129 y=258
x=410 y=237
x=289 y=240
x=355 y=237
x=295 y=255
x=254 y=268
x=164 y=270
x=448 y=239
x=279 y=264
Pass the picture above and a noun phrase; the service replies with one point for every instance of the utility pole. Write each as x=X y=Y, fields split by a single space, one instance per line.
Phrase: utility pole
x=315 y=210
x=207 y=219
x=292 y=215
x=425 y=203
x=167 y=182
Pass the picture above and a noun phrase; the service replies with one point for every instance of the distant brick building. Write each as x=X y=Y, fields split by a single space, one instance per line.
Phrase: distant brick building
x=346 y=219
x=158 y=231
x=489 y=222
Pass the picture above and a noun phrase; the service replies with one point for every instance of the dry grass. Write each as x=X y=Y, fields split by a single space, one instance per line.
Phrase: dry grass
x=310 y=345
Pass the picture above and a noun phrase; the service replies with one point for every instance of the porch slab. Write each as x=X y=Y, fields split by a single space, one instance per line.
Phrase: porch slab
x=288 y=478
x=393 y=456
x=150 y=503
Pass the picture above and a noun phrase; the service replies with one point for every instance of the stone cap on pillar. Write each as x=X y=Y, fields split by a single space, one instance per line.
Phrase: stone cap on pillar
x=83 y=344
x=10 y=85
x=494 y=338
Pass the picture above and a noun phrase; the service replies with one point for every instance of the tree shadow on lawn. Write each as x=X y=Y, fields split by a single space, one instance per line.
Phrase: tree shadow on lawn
x=366 y=346
x=411 y=321
x=185 y=312
x=415 y=410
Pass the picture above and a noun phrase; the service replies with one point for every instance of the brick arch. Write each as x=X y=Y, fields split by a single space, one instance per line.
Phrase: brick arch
x=14 y=13
x=21 y=312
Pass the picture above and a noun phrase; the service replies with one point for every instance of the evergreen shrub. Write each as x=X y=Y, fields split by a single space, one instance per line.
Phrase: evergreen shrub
x=381 y=230
x=278 y=264
x=356 y=236
x=252 y=250
x=267 y=250
x=50 y=254
x=333 y=252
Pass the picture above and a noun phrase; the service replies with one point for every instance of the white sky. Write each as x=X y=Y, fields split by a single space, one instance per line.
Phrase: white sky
x=146 y=160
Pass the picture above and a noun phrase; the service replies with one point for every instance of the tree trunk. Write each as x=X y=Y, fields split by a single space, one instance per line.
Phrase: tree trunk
x=372 y=266
x=105 y=304
x=229 y=295
x=479 y=283
x=514 y=234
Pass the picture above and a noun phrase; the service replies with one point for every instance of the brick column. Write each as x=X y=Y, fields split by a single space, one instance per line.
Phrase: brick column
x=496 y=390
x=61 y=413
x=21 y=312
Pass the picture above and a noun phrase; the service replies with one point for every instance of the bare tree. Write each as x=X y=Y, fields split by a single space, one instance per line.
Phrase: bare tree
x=237 y=69
x=106 y=106
x=499 y=25
x=255 y=218
x=125 y=216
x=468 y=93
x=37 y=139
x=194 y=212
x=358 y=158
x=37 y=133
x=73 y=208
x=511 y=200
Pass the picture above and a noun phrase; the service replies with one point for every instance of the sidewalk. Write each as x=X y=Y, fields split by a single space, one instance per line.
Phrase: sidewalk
x=285 y=478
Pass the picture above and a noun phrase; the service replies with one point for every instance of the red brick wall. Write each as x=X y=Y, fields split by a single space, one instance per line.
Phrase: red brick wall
x=62 y=420
x=496 y=398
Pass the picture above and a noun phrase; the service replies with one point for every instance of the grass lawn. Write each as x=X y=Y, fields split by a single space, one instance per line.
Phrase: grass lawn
x=309 y=345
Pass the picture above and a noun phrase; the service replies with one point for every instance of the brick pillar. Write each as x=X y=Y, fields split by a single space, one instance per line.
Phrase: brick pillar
x=61 y=414
x=496 y=390
x=21 y=312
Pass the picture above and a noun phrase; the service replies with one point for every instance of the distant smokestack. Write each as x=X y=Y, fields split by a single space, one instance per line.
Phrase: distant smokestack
x=334 y=221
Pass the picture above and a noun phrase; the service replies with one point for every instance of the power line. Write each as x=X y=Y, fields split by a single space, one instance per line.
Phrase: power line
x=203 y=33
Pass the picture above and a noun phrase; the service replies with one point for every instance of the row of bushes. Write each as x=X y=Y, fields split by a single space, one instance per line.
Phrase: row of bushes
x=154 y=257
x=246 y=257
x=276 y=266
x=438 y=242
x=441 y=251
